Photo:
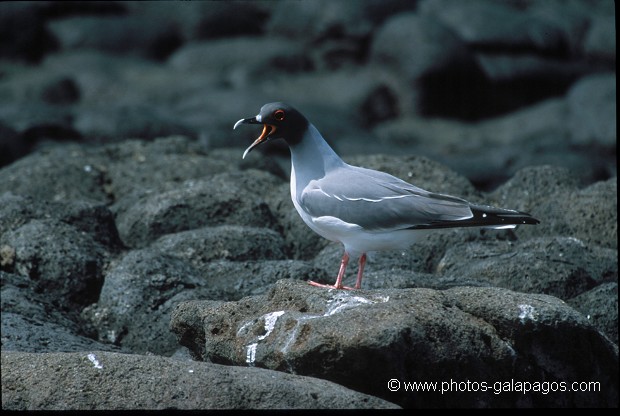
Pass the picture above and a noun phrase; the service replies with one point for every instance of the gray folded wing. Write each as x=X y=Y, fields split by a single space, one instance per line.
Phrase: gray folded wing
x=378 y=201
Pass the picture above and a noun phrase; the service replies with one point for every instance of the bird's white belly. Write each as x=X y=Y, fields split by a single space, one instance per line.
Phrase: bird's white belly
x=322 y=230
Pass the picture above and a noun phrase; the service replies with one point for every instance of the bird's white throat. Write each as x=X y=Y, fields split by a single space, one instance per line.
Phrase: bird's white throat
x=312 y=157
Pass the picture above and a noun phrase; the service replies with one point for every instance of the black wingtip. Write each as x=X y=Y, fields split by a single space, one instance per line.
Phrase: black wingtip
x=499 y=216
x=486 y=217
x=530 y=220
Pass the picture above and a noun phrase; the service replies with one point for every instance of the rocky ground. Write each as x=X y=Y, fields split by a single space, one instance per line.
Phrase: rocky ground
x=144 y=265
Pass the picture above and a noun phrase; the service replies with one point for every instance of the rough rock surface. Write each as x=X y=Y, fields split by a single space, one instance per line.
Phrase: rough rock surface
x=123 y=195
x=97 y=380
x=364 y=339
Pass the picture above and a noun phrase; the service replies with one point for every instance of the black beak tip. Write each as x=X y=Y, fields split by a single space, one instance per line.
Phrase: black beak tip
x=251 y=120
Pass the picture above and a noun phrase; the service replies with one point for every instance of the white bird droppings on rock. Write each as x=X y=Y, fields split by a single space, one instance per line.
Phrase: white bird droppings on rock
x=270 y=323
x=527 y=312
x=93 y=359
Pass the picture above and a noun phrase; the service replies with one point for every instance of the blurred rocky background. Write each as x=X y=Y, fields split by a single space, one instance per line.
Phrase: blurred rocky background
x=124 y=202
x=485 y=87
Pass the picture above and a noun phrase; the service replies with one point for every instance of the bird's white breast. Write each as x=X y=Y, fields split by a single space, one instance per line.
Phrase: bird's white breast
x=311 y=158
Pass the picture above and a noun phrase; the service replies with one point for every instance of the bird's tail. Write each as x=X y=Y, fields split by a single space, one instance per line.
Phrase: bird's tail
x=498 y=218
x=488 y=217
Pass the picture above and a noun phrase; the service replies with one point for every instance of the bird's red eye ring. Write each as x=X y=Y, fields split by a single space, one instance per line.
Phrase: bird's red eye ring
x=279 y=115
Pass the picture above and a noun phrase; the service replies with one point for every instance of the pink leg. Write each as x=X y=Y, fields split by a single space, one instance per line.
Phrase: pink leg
x=360 y=271
x=343 y=268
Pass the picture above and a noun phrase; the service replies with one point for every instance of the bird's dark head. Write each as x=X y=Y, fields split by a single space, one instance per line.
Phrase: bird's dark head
x=280 y=121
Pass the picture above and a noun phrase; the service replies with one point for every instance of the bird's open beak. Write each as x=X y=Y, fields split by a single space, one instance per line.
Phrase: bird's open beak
x=268 y=129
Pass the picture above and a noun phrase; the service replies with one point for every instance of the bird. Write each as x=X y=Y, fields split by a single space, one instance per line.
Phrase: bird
x=363 y=209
